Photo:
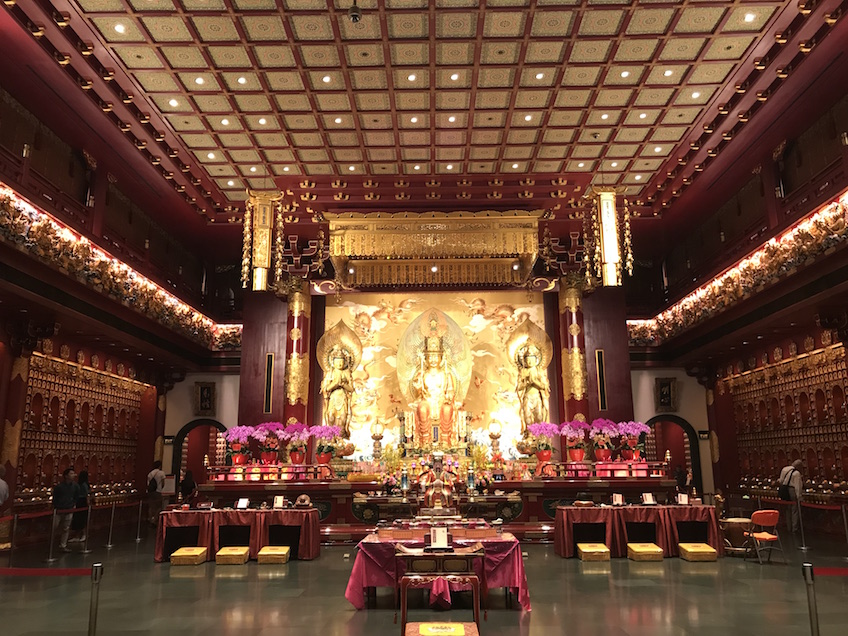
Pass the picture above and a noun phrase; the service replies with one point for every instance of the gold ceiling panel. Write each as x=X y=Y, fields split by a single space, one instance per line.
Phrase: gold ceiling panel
x=632 y=134
x=216 y=29
x=155 y=82
x=236 y=140
x=274 y=56
x=636 y=50
x=710 y=73
x=263 y=28
x=601 y=22
x=650 y=21
x=610 y=98
x=565 y=118
x=382 y=154
x=244 y=156
x=504 y=24
x=682 y=49
x=547 y=166
x=699 y=20
x=253 y=103
x=101 y=6
x=669 y=133
x=277 y=155
x=198 y=140
x=552 y=24
x=407 y=25
x=184 y=57
x=544 y=52
x=167 y=29
x=497 y=52
x=410 y=53
x=137 y=57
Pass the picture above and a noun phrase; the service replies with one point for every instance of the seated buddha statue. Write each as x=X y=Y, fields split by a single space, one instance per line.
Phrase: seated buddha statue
x=437 y=485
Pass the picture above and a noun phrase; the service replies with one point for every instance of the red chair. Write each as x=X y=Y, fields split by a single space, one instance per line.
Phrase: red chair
x=762 y=534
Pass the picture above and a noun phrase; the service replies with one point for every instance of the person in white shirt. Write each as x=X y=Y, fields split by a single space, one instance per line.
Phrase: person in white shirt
x=155 y=484
x=790 y=476
x=4 y=487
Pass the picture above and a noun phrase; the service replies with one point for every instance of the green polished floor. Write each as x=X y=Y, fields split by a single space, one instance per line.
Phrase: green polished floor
x=139 y=596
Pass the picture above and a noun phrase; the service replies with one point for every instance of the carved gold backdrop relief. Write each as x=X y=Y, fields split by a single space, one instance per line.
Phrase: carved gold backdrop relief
x=486 y=319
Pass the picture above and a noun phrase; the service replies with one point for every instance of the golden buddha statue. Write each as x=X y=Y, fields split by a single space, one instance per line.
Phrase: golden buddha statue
x=531 y=349
x=339 y=351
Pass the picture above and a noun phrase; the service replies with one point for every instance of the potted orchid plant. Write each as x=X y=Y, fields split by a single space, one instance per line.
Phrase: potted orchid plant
x=544 y=434
x=325 y=442
x=575 y=434
x=602 y=431
x=238 y=437
x=296 y=436
x=267 y=435
x=631 y=439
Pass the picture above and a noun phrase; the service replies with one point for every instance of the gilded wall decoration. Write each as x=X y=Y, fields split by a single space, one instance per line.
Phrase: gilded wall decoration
x=570 y=299
x=486 y=320
x=297 y=378
x=574 y=374
x=295 y=334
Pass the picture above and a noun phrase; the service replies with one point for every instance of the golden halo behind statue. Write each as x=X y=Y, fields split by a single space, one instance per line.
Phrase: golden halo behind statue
x=339 y=336
x=529 y=333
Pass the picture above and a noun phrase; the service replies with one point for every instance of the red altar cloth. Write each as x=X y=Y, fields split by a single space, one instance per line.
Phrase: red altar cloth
x=259 y=521
x=665 y=519
x=375 y=567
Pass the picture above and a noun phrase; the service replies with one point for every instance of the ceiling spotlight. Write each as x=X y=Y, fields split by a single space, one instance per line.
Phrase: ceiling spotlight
x=350 y=270
x=411 y=77
x=581 y=164
x=528 y=117
x=454 y=76
x=515 y=267
x=211 y=155
x=642 y=115
x=658 y=149
x=225 y=122
x=198 y=80
x=242 y=80
x=262 y=121
x=449 y=166
x=625 y=73
x=326 y=79
x=668 y=72
x=540 y=76
x=434 y=269
x=354 y=14
x=414 y=120
x=614 y=164
x=696 y=95
x=338 y=120
x=231 y=183
x=451 y=119
x=638 y=177
x=285 y=168
x=351 y=168
x=604 y=116
x=750 y=17
x=120 y=28
x=514 y=166
x=173 y=103
x=417 y=167
x=253 y=168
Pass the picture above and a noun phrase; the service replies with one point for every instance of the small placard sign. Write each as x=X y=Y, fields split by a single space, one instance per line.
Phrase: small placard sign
x=617 y=499
x=439 y=537
x=648 y=499
x=683 y=499
x=242 y=503
x=279 y=502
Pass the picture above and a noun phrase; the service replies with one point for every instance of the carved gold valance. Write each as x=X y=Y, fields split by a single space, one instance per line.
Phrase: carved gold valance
x=495 y=248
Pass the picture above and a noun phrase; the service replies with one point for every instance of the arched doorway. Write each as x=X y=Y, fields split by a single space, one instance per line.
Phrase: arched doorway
x=691 y=437
x=195 y=438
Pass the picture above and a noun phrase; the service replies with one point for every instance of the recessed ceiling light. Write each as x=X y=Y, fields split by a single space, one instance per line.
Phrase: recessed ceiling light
x=696 y=95
x=211 y=155
x=414 y=120
x=668 y=72
x=451 y=119
x=642 y=115
x=242 y=80
x=614 y=164
x=581 y=164
x=658 y=149
x=434 y=269
x=750 y=17
x=450 y=166
x=540 y=76
x=253 y=168
x=120 y=28
x=604 y=116
x=326 y=79
x=285 y=168
x=417 y=167
x=638 y=177
x=515 y=267
x=225 y=122
x=625 y=73
x=455 y=76
x=351 y=168
x=173 y=103
x=411 y=77
x=338 y=120
x=515 y=165
x=231 y=183
x=198 y=80
x=528 y=117
x=262 y=121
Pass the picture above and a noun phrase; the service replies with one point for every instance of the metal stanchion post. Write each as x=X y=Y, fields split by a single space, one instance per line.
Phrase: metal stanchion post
x=844 y=523
x=15 y=531
x=109 y=545
x=96 y=575
x=50 y=557
x=85 y=549
x=138 y=530
x=759 y=503
x=807 y=570
x=803 y=545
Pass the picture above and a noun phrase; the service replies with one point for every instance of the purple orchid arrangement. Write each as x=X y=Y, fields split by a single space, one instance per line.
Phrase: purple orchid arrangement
x=601 y=431
x=544 y=432
x=268 y=435
x=633 y=429
x=575 y=432
x=296 y=435
x=325 y=437
x=239 y=434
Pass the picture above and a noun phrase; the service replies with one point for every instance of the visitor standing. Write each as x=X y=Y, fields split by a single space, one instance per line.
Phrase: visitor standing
x=65 y=495
x=790 y=489
x=188 y=488
x=155 y=485
x=80 y=518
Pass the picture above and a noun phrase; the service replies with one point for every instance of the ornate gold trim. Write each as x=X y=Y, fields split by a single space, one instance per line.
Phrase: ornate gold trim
x=570 y=299
x=300 y=304
x=297 y=379
x=574 y=374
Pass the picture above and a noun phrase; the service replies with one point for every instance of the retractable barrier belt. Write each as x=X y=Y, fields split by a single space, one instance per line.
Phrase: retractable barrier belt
x=830 y=571
x=45 y=571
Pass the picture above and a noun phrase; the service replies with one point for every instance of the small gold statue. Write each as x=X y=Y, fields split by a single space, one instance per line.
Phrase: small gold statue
x=530 y=349
x=339 y=351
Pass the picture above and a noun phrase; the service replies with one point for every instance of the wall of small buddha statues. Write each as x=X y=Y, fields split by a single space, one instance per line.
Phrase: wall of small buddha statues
x=782 y=404
x=87 y=415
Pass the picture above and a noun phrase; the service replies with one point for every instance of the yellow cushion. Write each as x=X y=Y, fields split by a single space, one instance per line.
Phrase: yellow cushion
x=593 y=552
x=188 y=556
x=274 y=554
x=644 y=552
x=697 y=552
x=441 y=629
x=234 y=555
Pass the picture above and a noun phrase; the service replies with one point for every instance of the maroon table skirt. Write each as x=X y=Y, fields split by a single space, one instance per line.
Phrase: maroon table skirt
x=209 y=523
x=665 y=519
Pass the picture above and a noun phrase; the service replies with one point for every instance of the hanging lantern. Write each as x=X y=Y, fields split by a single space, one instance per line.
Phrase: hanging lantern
x=607 y=236
x=262 y=239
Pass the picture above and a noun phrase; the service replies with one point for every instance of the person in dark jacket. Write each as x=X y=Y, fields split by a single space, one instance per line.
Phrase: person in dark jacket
x=65 y=495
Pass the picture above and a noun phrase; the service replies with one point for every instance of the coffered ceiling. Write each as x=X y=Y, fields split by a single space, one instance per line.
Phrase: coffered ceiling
x=249 y=93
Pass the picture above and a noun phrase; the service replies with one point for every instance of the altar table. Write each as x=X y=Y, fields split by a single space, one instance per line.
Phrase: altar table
x=616 y=518
x=376 y=566
x=209 y=523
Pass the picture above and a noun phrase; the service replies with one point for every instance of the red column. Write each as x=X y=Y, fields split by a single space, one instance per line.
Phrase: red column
x=574 y=394
x=297 y=357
